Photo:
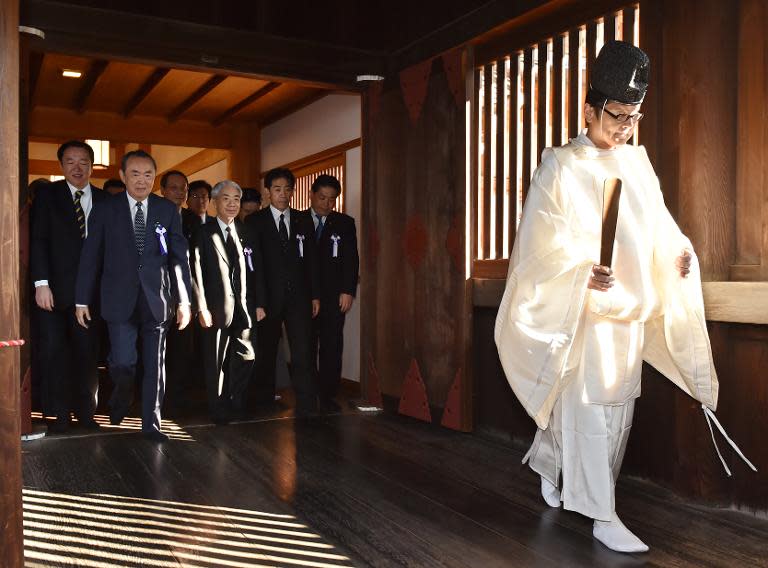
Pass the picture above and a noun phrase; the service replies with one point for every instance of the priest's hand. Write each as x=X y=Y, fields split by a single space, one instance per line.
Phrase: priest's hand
x=183 y=316
x=601 y=279
x=83 y=315
x=683 y=263
x=205 y=319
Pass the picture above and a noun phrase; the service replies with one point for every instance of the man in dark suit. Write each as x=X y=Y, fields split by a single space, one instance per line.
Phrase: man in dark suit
x=59 y=226
x=136 y=248
x=339 y=265
x=284 y=237
x=229 y=298
x=198 y=198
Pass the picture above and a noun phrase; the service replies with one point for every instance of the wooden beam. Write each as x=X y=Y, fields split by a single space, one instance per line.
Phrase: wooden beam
x=296 y=107
x=36 y=60
x=12 y=539
x=92 y=77
x=196 y=97
x=245 y=157
x=66 y=124
x=53 y=168
x=203 y=159
x=320 y=156
x=247 y=101
x=176 y=43
x=738 y=302
x=144 y=91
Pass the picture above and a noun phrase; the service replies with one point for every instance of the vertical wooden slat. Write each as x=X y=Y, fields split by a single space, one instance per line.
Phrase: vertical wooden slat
x=628 y=25
x=500 y=149
x=609 y=27
x=527 y=118
x=514 y=121
x=557 y=90
x=541 y=112
x=591 y=41
x=487 y=174
x=474 y=166
x=573 y=83
x=11 y=536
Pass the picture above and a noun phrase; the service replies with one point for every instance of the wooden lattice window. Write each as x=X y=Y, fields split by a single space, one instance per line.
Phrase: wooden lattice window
x=525 y=101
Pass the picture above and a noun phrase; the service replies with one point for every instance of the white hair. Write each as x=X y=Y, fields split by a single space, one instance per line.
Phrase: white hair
x=222 y=184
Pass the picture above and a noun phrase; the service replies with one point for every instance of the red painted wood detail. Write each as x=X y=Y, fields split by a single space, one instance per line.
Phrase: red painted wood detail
x=374 y=386
x=415 y=241
x=26 y=402
x=414 y=401
x=453 y=242
x=452 y=67
x=453 y=413
x=414 y=82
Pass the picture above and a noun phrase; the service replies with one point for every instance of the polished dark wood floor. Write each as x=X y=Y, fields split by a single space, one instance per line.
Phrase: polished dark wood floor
x=337 y=490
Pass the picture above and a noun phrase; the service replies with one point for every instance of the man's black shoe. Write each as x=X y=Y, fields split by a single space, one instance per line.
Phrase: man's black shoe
x=89 y=424
x=155 y=436
x=329 y=406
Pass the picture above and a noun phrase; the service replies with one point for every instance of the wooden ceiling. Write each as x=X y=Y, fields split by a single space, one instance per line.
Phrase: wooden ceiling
x=136 y=90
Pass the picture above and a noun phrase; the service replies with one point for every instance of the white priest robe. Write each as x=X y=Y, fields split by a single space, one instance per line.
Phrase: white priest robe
x=573 y=356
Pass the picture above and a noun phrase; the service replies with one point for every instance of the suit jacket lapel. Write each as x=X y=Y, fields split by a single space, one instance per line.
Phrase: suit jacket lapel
x=218 y=242
x=67 y=205
x=124 y=216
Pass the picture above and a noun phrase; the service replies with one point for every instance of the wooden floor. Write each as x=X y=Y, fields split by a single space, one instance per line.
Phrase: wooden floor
x=340 y=490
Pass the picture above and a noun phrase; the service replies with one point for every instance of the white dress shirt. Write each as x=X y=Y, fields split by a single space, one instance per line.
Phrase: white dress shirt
x=286 y=215
x=144 y=206
x=86 y=203
x=223 y=227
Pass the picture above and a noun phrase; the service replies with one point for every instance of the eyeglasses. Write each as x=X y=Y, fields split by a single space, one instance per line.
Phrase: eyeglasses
x=622 y=118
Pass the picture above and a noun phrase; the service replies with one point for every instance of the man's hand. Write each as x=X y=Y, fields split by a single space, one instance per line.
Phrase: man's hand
x=83 y=315
x=44 y=298
x=183 y=316
x=601 y=279
x=260 y=314
x=205 y=319
x=345 y=302
x=315 y=308
x=683 y=263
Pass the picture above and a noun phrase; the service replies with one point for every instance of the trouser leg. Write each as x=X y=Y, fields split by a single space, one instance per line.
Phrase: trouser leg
x=122 y=366
x=84 y=374
x=329 y=327
x=240 y=358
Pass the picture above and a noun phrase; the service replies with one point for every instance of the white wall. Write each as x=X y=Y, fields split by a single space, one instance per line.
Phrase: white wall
x=331 y=121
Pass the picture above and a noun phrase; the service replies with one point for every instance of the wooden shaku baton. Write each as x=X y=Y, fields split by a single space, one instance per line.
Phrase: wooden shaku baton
x=611 y=198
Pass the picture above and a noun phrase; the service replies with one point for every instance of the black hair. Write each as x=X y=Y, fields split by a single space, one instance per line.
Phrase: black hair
x=169 y=173
x=324 y=180
x=277 y=173
x=251 y=195
x=199 y=184
x=136 y=154
x=113 y=182
x=73 y=144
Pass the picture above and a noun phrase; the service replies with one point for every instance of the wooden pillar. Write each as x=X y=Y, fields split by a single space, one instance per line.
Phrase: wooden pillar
x=11 y=539
x=245 y=156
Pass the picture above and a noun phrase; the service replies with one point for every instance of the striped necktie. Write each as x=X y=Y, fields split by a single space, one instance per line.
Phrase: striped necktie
x=139 y=228
x=79 y=213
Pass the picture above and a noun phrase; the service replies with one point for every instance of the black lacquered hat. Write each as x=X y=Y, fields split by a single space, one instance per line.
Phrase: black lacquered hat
x=620 y=73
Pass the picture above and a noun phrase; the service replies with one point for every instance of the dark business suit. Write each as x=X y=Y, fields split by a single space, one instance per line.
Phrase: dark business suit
x=221 y=274
x=338 y=275
x=67 y=351
x=139 y=294
x=291 y=284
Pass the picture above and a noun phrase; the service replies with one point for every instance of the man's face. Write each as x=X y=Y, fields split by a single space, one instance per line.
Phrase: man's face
x=175 y=189
x=280 y=193
x=139 y=177
x=248 y=207
x=77 y=166
x=323 y=200
x=606 y=131
x=227 y=203
x=198 y=201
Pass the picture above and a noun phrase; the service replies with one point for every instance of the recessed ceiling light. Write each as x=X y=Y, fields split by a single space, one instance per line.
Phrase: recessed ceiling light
x=74 y=73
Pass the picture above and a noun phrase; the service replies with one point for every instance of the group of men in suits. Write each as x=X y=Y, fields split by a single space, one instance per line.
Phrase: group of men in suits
x=147 y=266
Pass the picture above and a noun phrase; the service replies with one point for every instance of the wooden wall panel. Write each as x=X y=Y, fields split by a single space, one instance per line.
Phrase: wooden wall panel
x=415 y=294
x=11 y=539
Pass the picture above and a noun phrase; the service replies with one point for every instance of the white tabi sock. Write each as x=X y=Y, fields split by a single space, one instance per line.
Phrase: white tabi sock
x=550 y=493
x=616 y=536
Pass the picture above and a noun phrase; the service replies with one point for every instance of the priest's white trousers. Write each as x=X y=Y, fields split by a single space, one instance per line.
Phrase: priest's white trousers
x=586 y=443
